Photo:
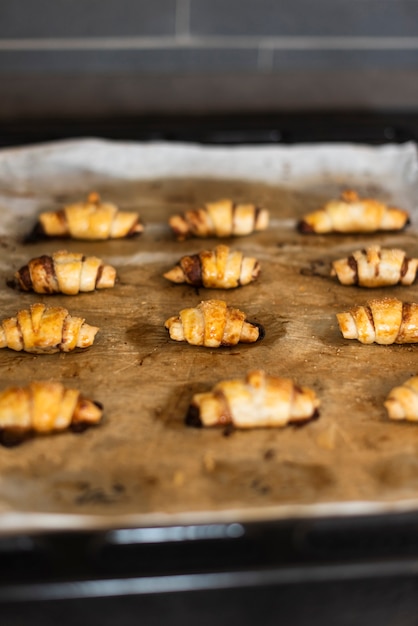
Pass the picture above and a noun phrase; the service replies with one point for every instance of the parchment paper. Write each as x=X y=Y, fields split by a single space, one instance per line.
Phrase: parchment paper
x=142 y=465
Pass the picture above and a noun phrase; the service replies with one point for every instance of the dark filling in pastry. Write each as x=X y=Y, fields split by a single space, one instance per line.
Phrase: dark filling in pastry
x=404 y=267
x=193 y=417
x=24 y=281
x=305 y=228
x=353 y=265
x=13 y=436
x=192 y=268
x=261 y=330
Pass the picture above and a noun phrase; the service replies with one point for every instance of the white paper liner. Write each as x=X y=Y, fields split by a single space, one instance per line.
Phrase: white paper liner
x=30 y=175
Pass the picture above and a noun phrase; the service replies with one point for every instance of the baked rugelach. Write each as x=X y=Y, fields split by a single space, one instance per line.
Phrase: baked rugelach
x=213 y=324
x=257 y=401
x=92 y=219
x=376 y=267
x=64 y=272
x=383 y=321
x=44 y=407
x=402 y=401
x=352 y=214
x=42 y=329
x=223 y=218
x=221 y=268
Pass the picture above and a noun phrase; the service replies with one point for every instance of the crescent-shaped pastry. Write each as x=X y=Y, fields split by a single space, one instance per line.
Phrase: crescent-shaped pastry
x=352 y=214
x=220 y=268
x=43 y=329
x=376 y=267
x=402 y=401
x=43 y=408
x=64 y=272
x=91 y=219
x=223 y=218
x=257 y=401
x=212 y=324
x=383 y=321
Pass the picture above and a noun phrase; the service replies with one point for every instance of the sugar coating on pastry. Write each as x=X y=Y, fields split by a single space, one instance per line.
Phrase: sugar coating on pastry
x=382 y=320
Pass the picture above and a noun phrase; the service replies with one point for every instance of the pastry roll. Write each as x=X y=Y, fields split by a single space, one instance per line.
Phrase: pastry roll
x=43 y=408
x=352 y=214
x=64 y=272
x=402 y=401
x=223 y=218
x=258 y=400
x=212 y=324
x=376 y=267
x=383 y=321
x=91 y=219
x=43 y=329
x=221 y=268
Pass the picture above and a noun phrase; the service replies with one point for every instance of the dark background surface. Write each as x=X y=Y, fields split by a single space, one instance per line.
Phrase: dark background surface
x=339 y=572
x=104 y=58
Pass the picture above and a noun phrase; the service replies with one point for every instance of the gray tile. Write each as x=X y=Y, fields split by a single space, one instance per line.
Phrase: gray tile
x=33 y=95
x=344 y=59
x=305 y=17
x=108 y=61
x=86 y=18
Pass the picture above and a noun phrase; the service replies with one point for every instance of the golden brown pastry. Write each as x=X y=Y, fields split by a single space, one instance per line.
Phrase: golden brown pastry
x=223 y=218
x=258 y=400
x=43 y=329
x=402 y=401
x=376 y=267
x=91 y=219
x=212 y=324
x=221 y=268
x=64 y=272
x=384 y=321
x=352 y=214
x=43 y=408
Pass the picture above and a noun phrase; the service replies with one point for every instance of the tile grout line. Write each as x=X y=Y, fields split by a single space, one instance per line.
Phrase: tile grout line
x=184 y=40
x=265 y=58
x=183 y=19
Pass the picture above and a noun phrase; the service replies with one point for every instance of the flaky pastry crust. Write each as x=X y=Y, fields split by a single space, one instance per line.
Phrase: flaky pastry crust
x=92 y=219
x=44 y=407
x=221 y=268
x=383 y=321
x=64 y=272
x=352 y=214
x=402 y=401
x=213 y=324
x=376 y=267
x=43 y=329
x=257 y=401
x=223 y=218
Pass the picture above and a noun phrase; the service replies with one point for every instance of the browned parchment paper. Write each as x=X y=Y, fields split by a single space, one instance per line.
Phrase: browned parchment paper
x=142 y=465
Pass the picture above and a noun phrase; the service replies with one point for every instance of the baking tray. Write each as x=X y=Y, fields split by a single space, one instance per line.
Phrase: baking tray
x=142 y=465
x=265 y=544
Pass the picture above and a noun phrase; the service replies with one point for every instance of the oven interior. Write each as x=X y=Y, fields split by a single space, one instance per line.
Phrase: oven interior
x=345 y=570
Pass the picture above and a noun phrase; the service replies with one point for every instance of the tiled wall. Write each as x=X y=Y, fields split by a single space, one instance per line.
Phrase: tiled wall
x=101 y=57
